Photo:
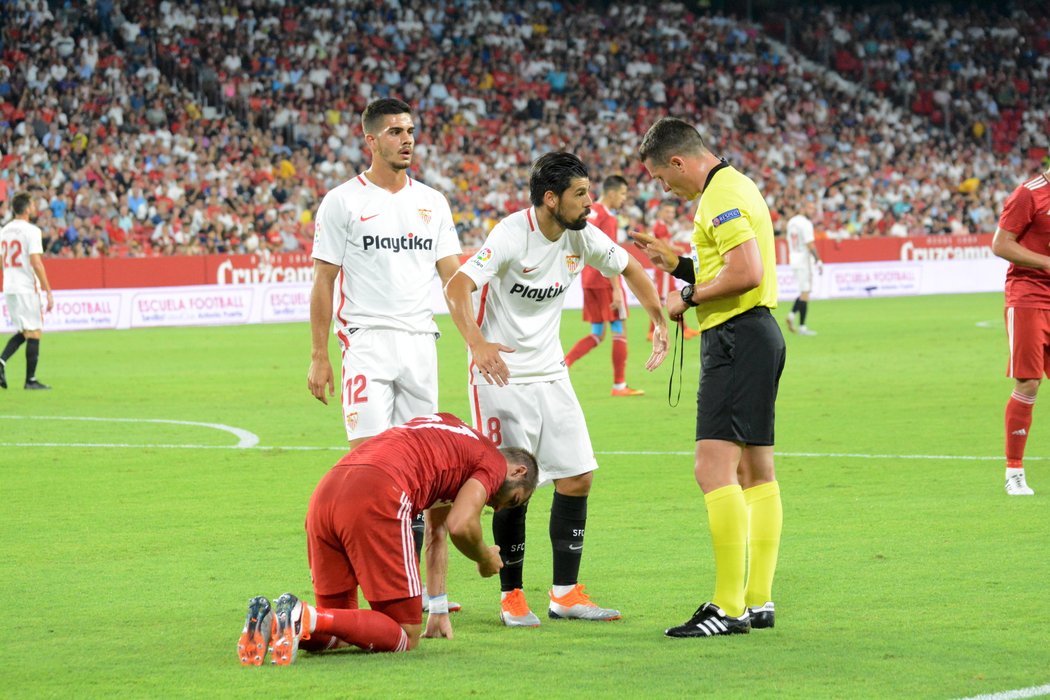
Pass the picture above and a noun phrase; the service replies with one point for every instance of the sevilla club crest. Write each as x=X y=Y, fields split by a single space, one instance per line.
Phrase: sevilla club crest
x=424 y=214
x=351 y=421
x=573 y=263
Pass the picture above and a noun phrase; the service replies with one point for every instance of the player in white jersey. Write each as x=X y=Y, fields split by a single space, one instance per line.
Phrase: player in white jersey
x=22 y=253
x=802 y=254
x=520 y=388
x=382 y=235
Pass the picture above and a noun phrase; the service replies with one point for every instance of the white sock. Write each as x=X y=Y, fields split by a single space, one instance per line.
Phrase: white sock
x=620 y=386
x=1011 y=472
x=561 y=591
x=313 y=617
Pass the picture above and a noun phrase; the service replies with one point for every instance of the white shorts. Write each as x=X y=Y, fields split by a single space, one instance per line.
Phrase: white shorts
x=804 y=278
x=389 y=377
x=542 y=417
x=25 y=311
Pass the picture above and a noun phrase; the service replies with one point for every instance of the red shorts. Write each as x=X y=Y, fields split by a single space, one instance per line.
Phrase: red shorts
x=1028 y=333
x=597 y=306
x=359 y=533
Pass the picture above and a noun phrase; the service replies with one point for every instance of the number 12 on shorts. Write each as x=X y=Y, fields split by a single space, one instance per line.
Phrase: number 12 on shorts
x=355 y=390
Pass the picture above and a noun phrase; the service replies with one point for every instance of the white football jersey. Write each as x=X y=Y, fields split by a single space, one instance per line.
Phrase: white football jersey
x=522 y=278
x=387 y=246
x=18 y=240
x=799 y=235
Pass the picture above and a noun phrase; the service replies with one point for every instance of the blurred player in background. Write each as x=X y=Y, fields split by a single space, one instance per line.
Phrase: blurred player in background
x=803 y=255
x=604 y=298
x=519 y=385
x=381 y=234
x=357 y=529
x=732 y=283
x=1023 y=238
x=22 y=253
x=665 y=284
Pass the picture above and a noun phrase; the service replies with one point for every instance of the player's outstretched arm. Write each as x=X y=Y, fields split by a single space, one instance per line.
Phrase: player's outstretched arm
x=320 y=375
x=435 y=546
x=644 y=289
x=464 y=527
x=486 y=355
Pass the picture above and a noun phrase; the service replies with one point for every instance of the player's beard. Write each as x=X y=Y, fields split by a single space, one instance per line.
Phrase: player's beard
x=575 y=225
x=399 y=164
x=503 y=494
x=395 y=162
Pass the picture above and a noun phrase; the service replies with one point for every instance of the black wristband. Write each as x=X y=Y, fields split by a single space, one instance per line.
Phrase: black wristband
x=685 y=271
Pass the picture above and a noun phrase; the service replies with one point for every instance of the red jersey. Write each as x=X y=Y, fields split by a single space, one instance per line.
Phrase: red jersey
x=603 y=219
x=660 y=231
x=1026 y=213
x=431 y=457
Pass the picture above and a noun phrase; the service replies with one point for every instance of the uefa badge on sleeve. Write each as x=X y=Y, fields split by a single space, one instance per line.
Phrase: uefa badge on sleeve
x=572 y=262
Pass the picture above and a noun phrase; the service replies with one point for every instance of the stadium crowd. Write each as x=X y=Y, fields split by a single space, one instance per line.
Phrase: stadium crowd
x=158 y=127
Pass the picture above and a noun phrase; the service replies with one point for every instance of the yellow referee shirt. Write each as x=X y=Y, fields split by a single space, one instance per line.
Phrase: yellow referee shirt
x=731 y=211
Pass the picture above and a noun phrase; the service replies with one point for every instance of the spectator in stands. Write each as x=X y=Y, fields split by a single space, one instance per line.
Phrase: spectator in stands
x=930 y=100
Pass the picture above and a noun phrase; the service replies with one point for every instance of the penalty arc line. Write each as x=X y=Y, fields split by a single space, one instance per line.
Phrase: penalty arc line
x=245 y=438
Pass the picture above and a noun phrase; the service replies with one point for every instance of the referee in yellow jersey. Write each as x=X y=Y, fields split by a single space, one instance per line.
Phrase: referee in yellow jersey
x=732 y=283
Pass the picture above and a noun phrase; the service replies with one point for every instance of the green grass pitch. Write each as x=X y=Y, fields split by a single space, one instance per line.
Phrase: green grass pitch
x=130 y=547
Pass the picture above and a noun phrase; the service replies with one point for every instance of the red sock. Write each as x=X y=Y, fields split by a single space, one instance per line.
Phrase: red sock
x=367 y=629
x=1018 y=421
x=619 y=359
x=581 y=348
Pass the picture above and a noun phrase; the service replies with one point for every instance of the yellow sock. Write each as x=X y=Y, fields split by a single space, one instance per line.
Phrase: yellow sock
x=727 y=515
x=766 y=517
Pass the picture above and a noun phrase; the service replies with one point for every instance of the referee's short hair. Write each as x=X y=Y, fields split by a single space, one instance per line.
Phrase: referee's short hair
x=670 y=137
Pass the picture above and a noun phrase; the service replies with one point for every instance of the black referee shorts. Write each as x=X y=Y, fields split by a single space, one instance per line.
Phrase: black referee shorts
x=741 y=361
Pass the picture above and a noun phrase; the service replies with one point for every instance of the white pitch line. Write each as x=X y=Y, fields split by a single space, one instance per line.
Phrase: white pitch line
x=245 y=438
x=642 y=453
x=1035 y=691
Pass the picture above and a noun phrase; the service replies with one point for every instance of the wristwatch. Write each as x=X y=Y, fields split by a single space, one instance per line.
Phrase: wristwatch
x=687 y=296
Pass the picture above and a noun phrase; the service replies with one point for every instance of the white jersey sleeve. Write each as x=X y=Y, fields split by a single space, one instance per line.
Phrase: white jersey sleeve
x=799 y=236
x=20 y=239
x=522 y=278
x=330 y=229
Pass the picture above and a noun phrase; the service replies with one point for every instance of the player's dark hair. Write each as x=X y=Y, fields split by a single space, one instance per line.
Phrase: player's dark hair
x=375 y=111
x=20 y=203
x=613 y=182
x=554 y=172
x=670 y=137
x=518 y=455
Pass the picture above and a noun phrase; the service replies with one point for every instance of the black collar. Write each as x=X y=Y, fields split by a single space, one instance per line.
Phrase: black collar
x=711 y=174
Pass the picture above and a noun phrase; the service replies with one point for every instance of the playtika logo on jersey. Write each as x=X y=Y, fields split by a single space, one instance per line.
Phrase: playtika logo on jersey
x=409 y=241
x=537 y=293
